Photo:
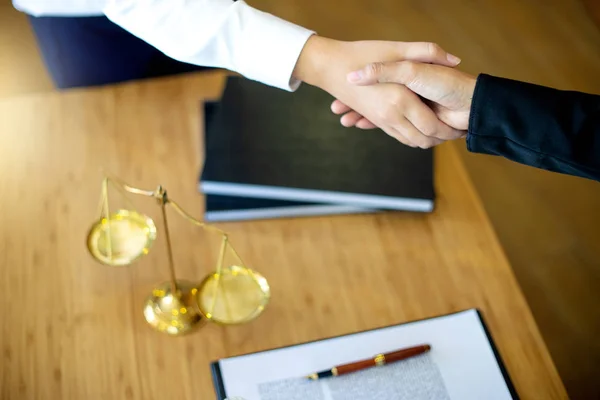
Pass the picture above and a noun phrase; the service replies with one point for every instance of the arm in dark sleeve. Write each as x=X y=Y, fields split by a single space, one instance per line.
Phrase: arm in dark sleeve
x=535 y=125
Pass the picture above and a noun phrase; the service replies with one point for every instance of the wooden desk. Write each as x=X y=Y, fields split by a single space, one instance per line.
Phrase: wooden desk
x=73 y=329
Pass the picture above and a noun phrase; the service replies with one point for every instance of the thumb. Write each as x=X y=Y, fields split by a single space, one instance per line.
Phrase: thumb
x=378 y=72
x=426 y=80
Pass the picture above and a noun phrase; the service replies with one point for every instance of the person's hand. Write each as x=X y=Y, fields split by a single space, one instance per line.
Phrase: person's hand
x=394 y=108
x=448 y=90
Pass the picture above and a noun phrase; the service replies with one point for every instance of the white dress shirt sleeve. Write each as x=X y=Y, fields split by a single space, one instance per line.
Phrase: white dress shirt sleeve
x=60 y=8
x=217 y=33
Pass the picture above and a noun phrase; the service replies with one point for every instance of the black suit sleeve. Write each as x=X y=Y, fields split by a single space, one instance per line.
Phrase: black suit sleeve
x=535 y=125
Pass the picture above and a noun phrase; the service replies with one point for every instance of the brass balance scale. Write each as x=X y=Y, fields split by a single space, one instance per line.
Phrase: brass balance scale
x=232 y=294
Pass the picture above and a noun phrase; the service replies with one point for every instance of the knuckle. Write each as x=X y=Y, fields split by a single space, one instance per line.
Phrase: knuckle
x=400 y=138
x=373 y=70
x=425 y=142
x=429 y=130
x=409 y=72
x=390 y=112
x=413 y=137
x=389 y=115
x=434 y=49
x=426 y=125
x=396 y=99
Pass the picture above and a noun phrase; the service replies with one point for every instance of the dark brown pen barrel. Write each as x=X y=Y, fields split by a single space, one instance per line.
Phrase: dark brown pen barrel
x=353 y=367
x=389 y=357
x=406 y=353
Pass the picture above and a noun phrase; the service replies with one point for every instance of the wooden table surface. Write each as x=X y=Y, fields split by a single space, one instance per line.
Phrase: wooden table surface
x=73 y=329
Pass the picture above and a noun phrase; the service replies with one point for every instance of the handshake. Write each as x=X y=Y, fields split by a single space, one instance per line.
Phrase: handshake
x=410 y=90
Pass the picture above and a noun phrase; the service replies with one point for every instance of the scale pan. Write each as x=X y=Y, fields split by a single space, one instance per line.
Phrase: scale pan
x=235 y=296
x=122 y=238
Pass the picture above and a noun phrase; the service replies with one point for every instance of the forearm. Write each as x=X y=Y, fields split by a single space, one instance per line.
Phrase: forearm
x=542 y=127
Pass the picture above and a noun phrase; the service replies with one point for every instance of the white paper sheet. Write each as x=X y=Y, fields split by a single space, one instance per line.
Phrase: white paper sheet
x=461 y=365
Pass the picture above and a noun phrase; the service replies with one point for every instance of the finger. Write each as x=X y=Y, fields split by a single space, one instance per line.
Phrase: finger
x=414 y=136
x=428 y=81
x=402 y=72
x=379 y=72
x=425 y=120
x=339 y=108
x=427 y=52
x=398 y=136
x=365 y=124
x=350 y=119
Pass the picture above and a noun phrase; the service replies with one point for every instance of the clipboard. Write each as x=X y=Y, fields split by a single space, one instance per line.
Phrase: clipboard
x=509 y=391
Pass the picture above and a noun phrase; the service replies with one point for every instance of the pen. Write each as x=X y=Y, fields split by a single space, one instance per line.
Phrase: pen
x=378 y=360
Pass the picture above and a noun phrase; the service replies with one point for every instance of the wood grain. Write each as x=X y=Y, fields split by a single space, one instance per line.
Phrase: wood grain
x=593 y=9
x=73 y=329
x=21 y=67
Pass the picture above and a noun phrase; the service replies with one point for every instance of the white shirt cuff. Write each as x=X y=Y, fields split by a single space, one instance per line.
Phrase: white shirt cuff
x=270 y=48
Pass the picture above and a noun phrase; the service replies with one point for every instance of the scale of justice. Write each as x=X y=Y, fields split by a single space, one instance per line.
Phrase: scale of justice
x=231 y=294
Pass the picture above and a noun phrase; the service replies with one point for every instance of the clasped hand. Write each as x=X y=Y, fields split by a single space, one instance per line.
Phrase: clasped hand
x=446 y=91
x=410 y=90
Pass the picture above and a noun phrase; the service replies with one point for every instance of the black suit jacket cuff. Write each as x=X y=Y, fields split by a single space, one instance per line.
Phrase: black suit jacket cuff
x=535 y=125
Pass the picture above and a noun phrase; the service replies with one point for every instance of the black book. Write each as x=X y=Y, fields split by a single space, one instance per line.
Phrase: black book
x=266 y=143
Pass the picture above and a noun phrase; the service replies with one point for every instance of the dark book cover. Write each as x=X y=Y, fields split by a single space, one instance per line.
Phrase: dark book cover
x=263 y=142
x=233 y=208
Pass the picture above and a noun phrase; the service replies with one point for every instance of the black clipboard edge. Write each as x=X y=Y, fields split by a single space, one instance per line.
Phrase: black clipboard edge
x=220 y=387
x=503 y=370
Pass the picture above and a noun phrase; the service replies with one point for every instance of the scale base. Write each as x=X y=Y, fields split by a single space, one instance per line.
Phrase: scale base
x=173 y=313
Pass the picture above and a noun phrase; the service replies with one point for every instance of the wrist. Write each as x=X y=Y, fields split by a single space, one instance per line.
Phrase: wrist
x=470 y=90
x=317 y=54
x=463 y=111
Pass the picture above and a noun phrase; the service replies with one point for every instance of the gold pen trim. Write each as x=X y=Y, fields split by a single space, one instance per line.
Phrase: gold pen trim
x=379 y=360
x=314 y=377
x=334 y=371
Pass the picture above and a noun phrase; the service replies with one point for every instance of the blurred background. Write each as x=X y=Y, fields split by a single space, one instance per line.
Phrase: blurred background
x=548 y=224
